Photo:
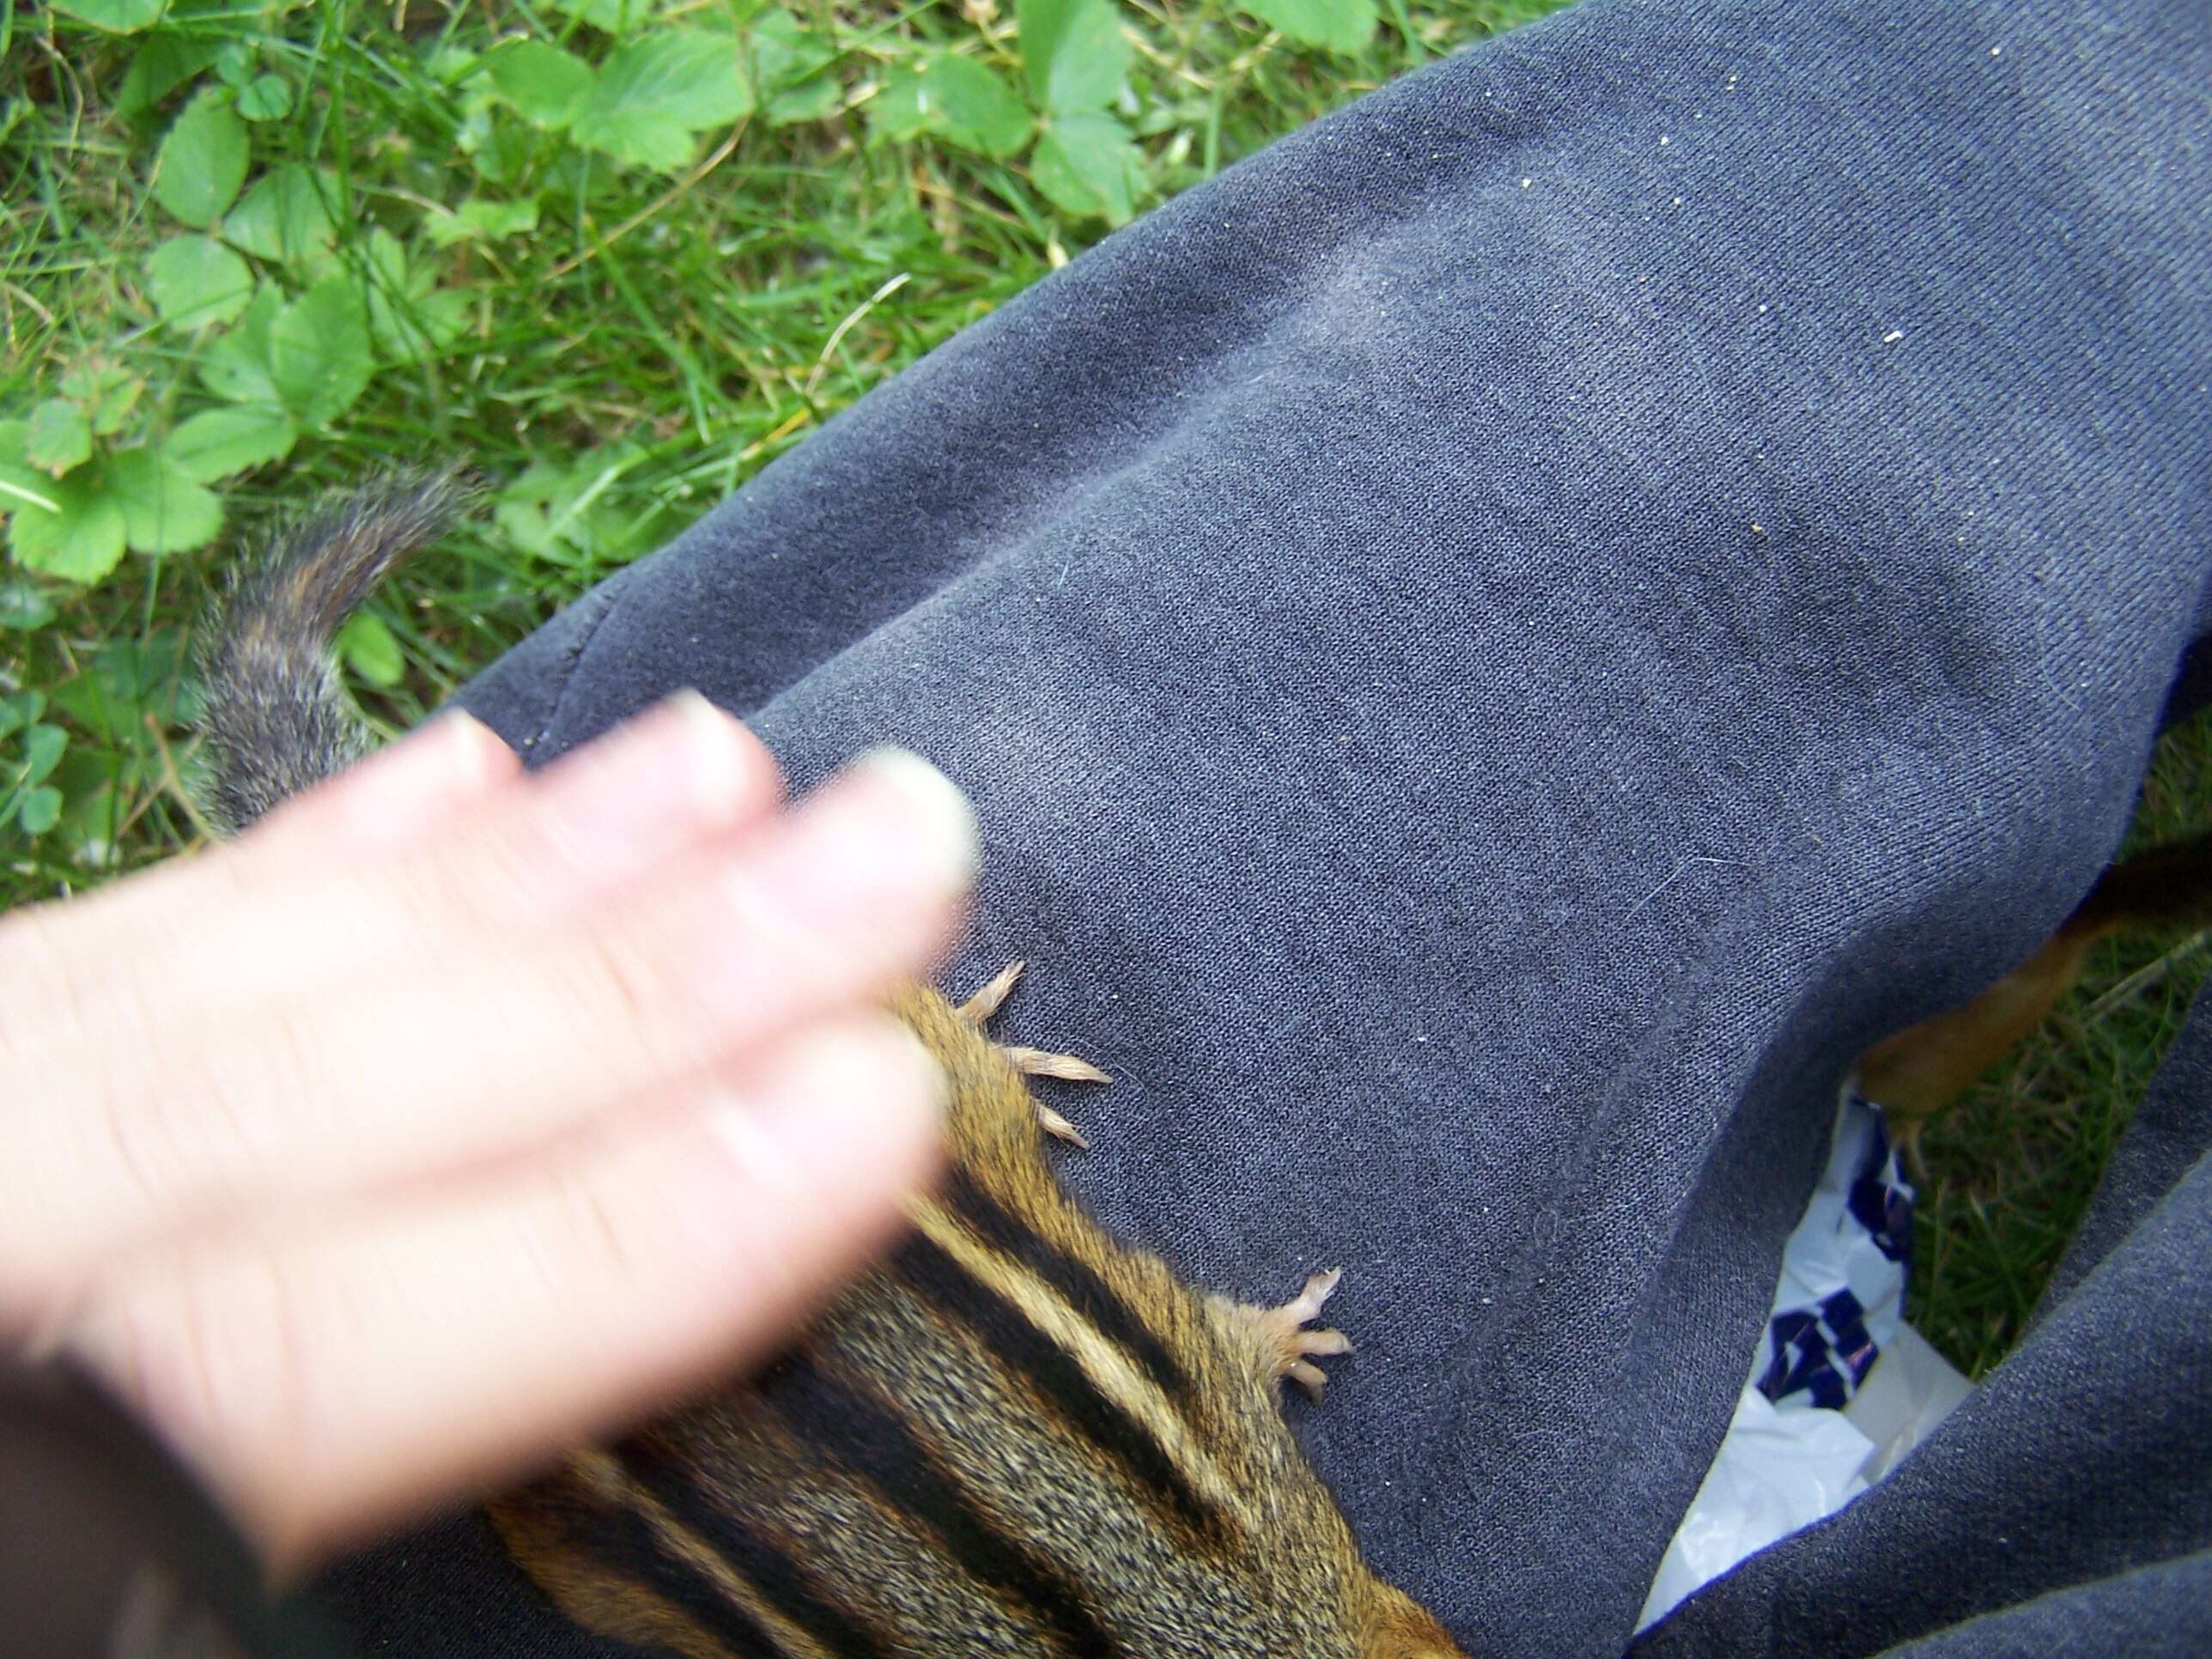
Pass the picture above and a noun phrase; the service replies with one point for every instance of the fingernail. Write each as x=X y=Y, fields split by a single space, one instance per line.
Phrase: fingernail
x=637 y=794
x=891 y=829
x=836 y=1097
x=405 y=790
x=943 y=820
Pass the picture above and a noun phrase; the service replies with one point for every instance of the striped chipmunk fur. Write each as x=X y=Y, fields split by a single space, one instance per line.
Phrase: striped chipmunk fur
x=1012 y=1436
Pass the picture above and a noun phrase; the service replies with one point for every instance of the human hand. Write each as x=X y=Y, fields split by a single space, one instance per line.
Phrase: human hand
x=452 y=1114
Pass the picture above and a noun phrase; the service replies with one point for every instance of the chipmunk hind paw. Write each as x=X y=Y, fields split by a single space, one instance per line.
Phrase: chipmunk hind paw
x=1290 y=1346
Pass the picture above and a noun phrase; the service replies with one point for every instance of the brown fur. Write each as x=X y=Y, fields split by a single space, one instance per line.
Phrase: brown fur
x=274 y=719
x=1926 y=1068
x=1267 y=1567
x=1015 y=1436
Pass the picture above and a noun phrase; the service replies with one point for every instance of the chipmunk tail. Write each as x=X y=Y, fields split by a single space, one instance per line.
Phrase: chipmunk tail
x=1920 y=1070
x=2168 y=886
x=273 y=718
x=1403 y=1629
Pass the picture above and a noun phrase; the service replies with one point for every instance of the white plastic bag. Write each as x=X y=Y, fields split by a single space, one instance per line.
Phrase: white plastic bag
x=1819 y=1419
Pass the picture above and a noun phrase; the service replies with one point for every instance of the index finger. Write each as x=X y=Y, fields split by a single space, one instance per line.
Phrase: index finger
x=481 y=1032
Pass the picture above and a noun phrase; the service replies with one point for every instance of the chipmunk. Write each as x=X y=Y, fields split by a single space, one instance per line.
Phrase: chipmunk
x=1013 y=1435
x=1924 y=1069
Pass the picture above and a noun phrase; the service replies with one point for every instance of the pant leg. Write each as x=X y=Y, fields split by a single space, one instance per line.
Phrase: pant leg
x=2068 y=1500
x=2165 y=1609
x=2170 y=1135
x=1496 y=645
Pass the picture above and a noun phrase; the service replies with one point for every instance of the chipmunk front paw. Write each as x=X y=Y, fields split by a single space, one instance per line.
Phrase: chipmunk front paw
x=1032 y=1062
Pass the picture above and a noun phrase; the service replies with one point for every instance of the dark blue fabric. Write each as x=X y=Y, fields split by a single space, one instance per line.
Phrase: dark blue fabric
x=1496 y=645
x=2080 y=1462
x=2165 y=1608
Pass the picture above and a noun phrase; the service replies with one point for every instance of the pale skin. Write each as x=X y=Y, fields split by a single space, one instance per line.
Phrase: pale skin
x=454 y=1113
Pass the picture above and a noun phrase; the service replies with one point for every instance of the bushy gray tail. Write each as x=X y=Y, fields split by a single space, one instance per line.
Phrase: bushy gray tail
x=273 y=718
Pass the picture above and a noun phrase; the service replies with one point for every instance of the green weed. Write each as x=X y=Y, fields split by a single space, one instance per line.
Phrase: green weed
x=618 y=254
x=2011 y=1170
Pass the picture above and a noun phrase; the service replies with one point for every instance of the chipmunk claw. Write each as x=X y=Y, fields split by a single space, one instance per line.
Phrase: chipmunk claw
x=1032 y=1062
x=1060 y=1128
x=978 y=1009
x=1291 y=1348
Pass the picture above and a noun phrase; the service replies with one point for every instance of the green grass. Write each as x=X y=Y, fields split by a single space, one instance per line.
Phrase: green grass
x=616 y=255
x=2009 y=1171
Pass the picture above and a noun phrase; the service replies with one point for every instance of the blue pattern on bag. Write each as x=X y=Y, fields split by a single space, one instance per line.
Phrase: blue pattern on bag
x=1825 y=1350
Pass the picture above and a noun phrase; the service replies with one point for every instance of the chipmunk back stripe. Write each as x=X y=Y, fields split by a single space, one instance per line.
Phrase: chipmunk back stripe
x=1060 y=1384
x=661 y=1471
x=1086 y=1293
x=1019 y=1437
x=651 y=1581
x=851 y=1426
